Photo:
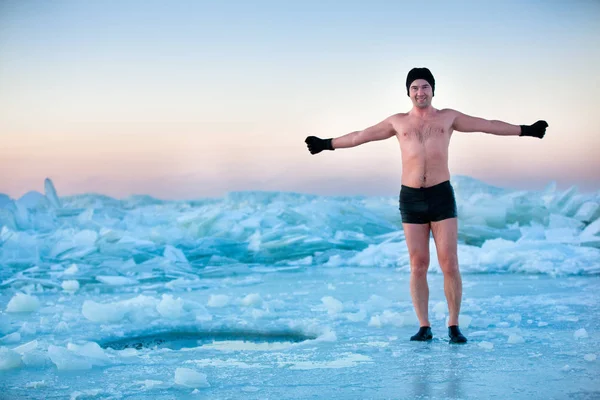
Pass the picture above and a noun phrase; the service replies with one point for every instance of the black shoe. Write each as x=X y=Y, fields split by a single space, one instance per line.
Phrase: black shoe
x=455 y=335
x=423 y=335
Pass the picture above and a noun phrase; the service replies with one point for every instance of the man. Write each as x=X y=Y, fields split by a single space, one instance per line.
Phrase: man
x=427 y=200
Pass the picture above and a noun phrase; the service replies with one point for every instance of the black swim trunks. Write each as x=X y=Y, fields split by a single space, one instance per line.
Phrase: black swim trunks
x=423 y=205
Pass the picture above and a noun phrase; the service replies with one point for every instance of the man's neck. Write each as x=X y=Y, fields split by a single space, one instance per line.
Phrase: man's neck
x=422 y=112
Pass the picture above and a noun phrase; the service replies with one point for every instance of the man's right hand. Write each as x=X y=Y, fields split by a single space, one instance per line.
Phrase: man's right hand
x=316 y=145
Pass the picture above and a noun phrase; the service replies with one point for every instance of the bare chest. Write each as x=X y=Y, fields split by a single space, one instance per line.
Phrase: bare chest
x=425 y=131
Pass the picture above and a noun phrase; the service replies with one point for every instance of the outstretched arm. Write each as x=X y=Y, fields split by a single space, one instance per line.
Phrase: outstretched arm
x=466 y=123
x=381 y=131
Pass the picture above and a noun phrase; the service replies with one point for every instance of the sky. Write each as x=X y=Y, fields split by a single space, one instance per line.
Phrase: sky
x=191 y=99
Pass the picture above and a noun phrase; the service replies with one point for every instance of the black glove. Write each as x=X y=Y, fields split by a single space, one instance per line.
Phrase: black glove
x=316 y=145
x=537 y=130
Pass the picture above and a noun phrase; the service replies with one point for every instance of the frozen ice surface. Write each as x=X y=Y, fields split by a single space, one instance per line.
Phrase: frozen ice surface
x=282 y=295
x=515 y=339
x=486 y=345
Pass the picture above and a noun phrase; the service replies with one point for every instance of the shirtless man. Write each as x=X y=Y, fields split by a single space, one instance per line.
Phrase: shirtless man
x=427 y=200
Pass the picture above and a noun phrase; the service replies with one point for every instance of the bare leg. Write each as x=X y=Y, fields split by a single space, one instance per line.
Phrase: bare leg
x=417 y=240
x=445 y=234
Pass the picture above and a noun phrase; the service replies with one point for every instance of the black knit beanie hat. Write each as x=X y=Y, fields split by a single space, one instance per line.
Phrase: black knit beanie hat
x=420 y=73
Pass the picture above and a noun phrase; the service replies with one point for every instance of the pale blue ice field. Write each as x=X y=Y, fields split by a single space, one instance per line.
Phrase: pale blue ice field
x=281 y=295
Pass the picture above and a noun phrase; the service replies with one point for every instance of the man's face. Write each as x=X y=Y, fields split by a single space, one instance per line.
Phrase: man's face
x=421 y=93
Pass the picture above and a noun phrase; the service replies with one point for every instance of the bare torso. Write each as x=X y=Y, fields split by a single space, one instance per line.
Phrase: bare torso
x=424 y=143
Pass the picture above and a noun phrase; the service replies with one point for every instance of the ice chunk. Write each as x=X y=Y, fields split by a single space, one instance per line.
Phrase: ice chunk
x=561 y=235
x=67 y=360
x=580 y=334
x=79 y=245
x=170 y=307
x=561 y=199
x=70 y=286
x=376 y=321
x=587 y=211
x=151 y=384
x=332 y=305
x=558 y=221
x=131 y=242
x=21 y=216
x=589 y=357
x=542 y=324
x=592 y=229
x=62 y=326
x=515 y=339
x=253 y=299
x=36 y=358
x=98 y=312
x=174 y=254
x=90 y=350
x=514 y=317
x=72 y=270
x=7 y=222
x=381 y=255
x=590 y=241
x=22 y=302
x=14 y=337
x=4 y=200
x=357 y=316
x=9 y=359
x=27 y=347
x=387 y=318
x=529 y=233
x=128 y=352
x=218 y=300
x=28 y=328
x=32 y=200
x=117 y=280
x=190 y=378
x=50 y=192
x=486 y=345
x=36 y=384
x=302 y=261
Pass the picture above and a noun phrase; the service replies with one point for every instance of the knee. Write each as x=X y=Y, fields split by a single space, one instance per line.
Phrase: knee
x=419 y=264
x=449 y=264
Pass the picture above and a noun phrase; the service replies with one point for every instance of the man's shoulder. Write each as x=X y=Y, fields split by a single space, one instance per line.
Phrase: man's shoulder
x=448 y=111
x=398 y=116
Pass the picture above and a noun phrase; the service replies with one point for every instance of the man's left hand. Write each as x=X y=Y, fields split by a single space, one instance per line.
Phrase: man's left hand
x=537 y=130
